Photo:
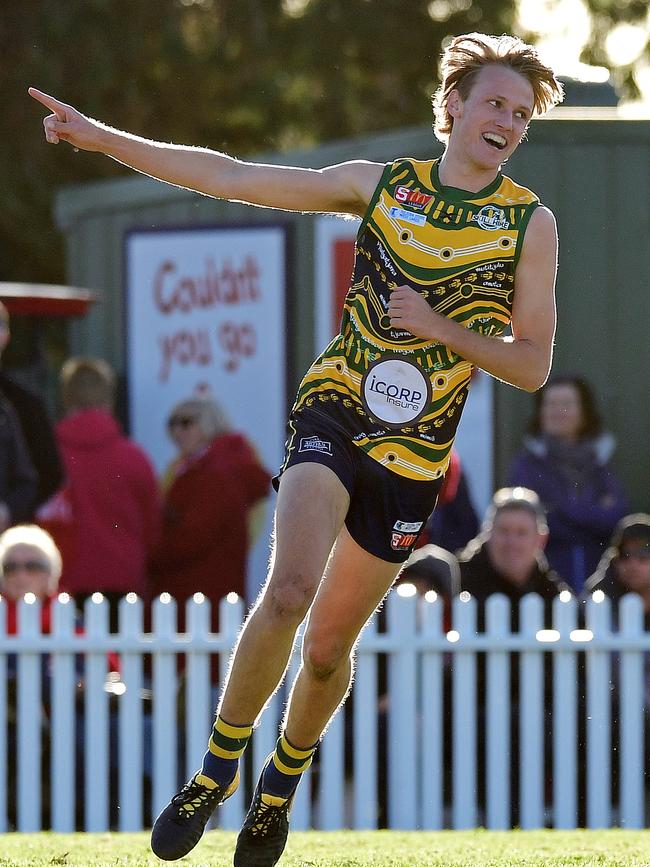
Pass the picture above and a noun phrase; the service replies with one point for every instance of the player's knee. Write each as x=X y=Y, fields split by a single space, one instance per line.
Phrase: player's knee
x=323 y=657
x=288 y=600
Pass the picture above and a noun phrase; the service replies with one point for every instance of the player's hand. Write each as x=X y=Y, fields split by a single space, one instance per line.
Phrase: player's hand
x=67 y=124
x=408 y=310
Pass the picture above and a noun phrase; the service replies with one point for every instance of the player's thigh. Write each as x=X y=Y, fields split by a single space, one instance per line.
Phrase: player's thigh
x=311 y=508
x=354 y=584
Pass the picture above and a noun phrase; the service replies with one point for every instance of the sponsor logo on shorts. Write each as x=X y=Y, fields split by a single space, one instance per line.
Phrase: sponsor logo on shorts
x=315 y=444
x=490 y=217
x=396 y=392
x=408 y=216
x=413 y=198
x=404 y=534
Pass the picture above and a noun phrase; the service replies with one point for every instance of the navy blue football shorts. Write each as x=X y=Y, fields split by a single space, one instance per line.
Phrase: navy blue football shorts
x=387 y=512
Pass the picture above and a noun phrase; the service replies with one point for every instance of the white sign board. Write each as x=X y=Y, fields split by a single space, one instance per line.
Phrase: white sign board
x=206 y=311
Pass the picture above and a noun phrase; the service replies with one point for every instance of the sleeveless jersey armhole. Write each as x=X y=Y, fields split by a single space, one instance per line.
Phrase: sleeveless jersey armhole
x=375 y=196
x=522 y=230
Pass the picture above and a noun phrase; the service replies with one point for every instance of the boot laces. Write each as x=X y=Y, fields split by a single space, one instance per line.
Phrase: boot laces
x=268 y=819
x=192 y=797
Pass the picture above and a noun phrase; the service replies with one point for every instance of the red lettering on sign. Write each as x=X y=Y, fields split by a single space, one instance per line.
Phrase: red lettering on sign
x=174 y=291
x=184 y=347
x=239 y=340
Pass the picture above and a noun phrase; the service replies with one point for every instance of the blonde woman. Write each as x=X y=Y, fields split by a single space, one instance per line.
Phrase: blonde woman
x=210 y=494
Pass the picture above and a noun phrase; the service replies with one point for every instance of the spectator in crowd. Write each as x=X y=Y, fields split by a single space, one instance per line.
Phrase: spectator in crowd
x=210 y=491
x=108 y=512
x=432 y=568
x=625 y=566
x=508 y=555
x=508 y=558
x=566 y=461
x=35 y=424
x=30 y=562
x=18 y=480
x=454 y=521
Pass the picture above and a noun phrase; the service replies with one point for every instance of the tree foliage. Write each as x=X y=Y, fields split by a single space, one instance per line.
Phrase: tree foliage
x=606 y=14
x=236 y=75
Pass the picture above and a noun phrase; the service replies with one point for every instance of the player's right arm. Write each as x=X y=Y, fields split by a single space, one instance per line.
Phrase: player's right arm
x=344 y=188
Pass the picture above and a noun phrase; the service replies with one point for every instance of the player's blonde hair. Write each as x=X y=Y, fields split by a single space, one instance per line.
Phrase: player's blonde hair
x=466 y=55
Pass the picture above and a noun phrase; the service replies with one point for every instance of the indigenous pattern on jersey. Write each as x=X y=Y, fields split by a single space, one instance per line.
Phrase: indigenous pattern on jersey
x=397 y=396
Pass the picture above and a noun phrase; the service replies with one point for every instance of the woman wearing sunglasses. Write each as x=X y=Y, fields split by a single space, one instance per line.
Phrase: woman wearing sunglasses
x=212 y=491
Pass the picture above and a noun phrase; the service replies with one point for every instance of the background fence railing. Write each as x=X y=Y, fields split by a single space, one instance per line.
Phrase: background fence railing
x=444 y=728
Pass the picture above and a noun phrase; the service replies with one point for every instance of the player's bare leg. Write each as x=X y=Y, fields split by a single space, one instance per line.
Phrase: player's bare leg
x=311 y=508
x=354 y=585
x=304 y=538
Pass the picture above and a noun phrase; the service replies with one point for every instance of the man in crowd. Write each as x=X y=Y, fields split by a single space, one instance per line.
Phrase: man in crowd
x=106 y=519
x=35 y=424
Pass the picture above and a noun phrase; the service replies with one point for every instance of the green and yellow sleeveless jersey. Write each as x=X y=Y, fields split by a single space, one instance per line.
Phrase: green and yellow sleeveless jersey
x=397 y=396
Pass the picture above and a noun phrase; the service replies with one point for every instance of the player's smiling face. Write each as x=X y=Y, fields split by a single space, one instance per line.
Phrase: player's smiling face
x=491 y=120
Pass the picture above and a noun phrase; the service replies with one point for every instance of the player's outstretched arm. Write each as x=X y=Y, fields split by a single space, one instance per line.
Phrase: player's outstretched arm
x=523 y=360
x=345 y=188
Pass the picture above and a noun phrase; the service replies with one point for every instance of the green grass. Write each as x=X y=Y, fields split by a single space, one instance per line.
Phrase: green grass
x=349 y=849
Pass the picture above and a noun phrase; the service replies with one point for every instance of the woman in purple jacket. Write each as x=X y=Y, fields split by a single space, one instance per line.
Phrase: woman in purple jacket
x=566 y=460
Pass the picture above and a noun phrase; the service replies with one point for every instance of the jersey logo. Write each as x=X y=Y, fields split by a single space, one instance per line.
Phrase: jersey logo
x=408 y=216
x=413 y=198
x=315 y=444
x=490 y=217
x=395 y=392
x=404 y=534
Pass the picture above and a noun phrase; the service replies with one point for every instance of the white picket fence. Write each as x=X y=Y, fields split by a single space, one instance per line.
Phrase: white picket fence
x=421 y=657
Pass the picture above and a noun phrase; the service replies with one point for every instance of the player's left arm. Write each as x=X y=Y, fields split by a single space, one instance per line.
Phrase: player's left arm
x=523 y=360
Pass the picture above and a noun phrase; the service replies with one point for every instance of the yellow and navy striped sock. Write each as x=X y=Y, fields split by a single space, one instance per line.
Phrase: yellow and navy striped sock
x=226 y=744
x=283 y=772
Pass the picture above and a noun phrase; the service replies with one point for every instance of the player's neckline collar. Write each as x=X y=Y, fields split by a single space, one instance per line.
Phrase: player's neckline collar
x=456 y=193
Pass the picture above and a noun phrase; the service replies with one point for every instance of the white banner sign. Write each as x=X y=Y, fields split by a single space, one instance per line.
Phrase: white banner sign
x=206 y=311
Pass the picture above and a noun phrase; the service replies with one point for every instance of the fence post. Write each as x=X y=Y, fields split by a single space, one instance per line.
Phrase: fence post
x=4 y=819
x=231 y=614
x=599 y=732
x=64 y=730
x=198 y=713
x=402 y=713
x=497 y=741
x=96 y=736
x=165 y=687
x=364 y=710
x=30 y=719
x=631 y=689
x=464 y=811
x=431 y=691
x=130 y=721
x=531 y=717
x=565 y=731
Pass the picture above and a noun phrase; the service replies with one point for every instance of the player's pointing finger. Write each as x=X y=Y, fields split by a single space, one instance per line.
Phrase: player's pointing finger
x=49 y=102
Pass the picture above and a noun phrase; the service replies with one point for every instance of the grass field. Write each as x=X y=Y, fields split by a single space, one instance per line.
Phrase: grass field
x=349 y=849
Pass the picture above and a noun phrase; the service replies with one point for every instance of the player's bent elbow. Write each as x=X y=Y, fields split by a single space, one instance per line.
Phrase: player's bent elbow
x=534 y=380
